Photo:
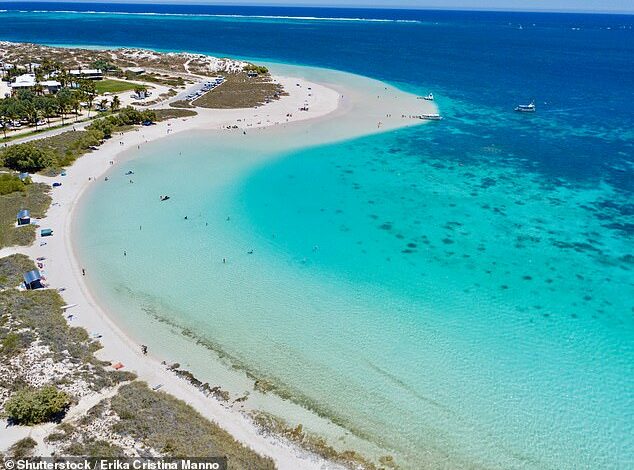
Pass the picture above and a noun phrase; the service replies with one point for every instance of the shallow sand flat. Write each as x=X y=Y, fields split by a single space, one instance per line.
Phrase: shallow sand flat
x=340 y=106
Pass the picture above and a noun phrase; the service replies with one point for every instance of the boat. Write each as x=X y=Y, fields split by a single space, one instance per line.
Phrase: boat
x=431 y=117
x=429 y=97
x=526 y=108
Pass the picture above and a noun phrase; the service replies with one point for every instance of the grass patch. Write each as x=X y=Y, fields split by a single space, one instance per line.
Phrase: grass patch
x=36 y=198
x=165 y=114
x=23 y=448
x=11 y=270
x=174 y=428
x=108 y=85
x=163 y=79
x=240 y=91
x=181 y=104
x=95 y=448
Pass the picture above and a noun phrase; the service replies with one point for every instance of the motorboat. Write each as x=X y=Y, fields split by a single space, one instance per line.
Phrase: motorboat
x=526 y=108
x=431 y=117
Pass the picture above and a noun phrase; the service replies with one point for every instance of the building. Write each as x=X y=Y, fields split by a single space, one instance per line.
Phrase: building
x=24 y=217
x=33 y=280
x=87 y=74
x=135 y=70
x=23 y=82
x=51 y=86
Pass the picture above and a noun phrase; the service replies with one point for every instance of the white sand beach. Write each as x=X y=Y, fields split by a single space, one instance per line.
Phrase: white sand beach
x=350 y=111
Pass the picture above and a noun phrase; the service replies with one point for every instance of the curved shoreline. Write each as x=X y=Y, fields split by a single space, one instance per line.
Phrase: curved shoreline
x=64 y=266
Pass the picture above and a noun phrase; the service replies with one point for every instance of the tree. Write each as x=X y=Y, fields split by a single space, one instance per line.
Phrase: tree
x=115 y=104
x=4 y=117
x=103 y=126
x=88 y=92
x=34 y=406
x=27 y=157
x=64 y=101
x=140 y=91
x=48 y=105
x=103 y=104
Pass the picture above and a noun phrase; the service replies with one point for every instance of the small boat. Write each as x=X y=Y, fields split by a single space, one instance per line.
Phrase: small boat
x=164 y=198
x=129 y=172
x=429 y=97
x=526 y=108
x=431 y=117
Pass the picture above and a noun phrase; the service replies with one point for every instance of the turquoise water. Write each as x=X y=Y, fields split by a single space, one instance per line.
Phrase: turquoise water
x=461 y=294
x=452 y=314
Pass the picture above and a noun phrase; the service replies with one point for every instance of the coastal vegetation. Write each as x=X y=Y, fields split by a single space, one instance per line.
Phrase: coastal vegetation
x=157 y=424
x=10 y=183
x=241 y=91
x=34 y=333
x=31 y=406
x=35 y=197
x=23 y=448
x=53 y=153
x=11 y=269
x=173 y=113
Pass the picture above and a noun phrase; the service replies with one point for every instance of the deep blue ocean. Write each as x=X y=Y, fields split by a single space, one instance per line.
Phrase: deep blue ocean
x=504 y=242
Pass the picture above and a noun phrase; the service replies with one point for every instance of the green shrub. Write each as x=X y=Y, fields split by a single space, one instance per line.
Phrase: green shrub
x=27 y=157
x=10 y=184
x=33 y=406
x=261 y=69
x=102 y=125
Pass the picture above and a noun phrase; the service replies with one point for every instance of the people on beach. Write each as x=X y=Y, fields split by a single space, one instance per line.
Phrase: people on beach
x=144 y=349
x=83 y=272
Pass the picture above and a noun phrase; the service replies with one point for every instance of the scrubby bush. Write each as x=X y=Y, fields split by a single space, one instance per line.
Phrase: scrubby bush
x=127 y=117
x=10 y=184
x=23 y=448
x=261 y=69
x=33 y=406
x=102 y=125
x=27 y=157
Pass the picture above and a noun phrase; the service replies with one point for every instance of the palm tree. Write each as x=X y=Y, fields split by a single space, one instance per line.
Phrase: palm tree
x=49 y=105
x=88 y=92
x=115 y=104
x=64 y=100
x=76 y=105
x=102 y=104
x=38 y=89
x=4 y=117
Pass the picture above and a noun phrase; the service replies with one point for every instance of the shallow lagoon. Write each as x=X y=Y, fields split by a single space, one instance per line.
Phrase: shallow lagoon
x=456 y=312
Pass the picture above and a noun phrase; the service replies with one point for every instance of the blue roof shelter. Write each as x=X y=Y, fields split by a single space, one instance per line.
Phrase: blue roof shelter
x=33 y=280
x=24 y=217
